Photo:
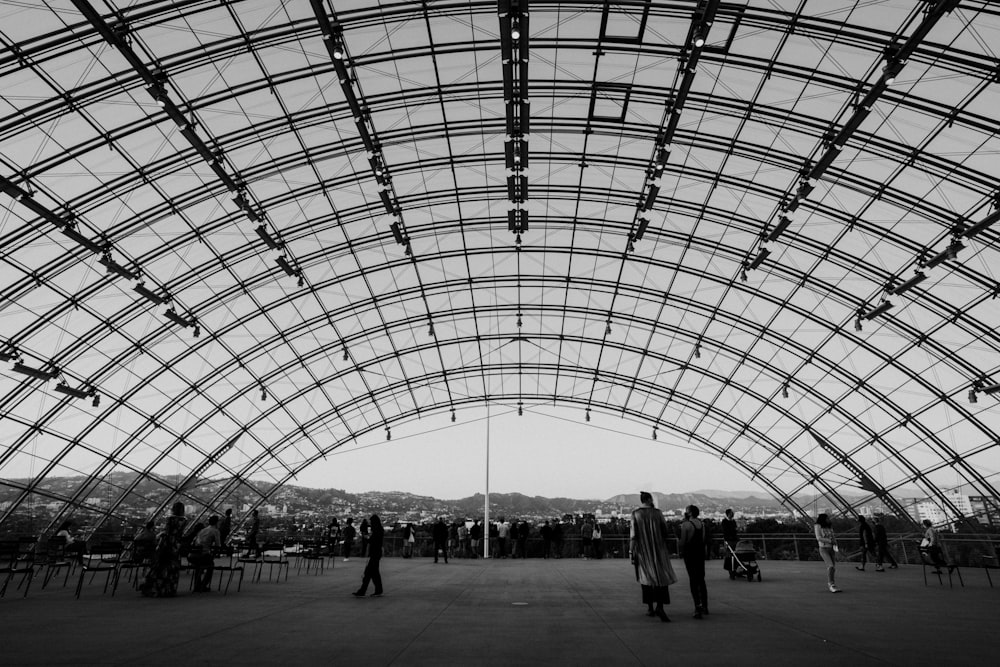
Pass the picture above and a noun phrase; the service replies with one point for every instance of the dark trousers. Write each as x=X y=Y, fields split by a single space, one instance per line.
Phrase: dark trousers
x=347 y=548
x=372 y=575
x=443 y=546
x=501 y=547
x=884 y=555
x=204 y=568
x=865 y=552
x=695 y=566
x=364 y=546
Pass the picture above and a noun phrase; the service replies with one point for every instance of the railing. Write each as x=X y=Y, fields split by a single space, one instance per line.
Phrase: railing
x=964 y=550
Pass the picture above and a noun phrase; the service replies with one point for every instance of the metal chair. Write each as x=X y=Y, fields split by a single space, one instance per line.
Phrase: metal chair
x=51 y=554
x=927 y=559
x=273 y=555
x=309 y=553
x=234 y=565
x=17 y=557
x=106 y=557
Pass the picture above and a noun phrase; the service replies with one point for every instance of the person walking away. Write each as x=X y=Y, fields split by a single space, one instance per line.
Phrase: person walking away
x=365 y=531
x=882 y=552
x=349 y=533
x=650 y=555
x=827 y=542
x=440 y=534
x=867 y=542
x=692 y=548
x=371 y=573
x=596 y=541
x=202 y=554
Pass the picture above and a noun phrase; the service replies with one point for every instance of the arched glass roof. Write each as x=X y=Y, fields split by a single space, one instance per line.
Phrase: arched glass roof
x=238 y=235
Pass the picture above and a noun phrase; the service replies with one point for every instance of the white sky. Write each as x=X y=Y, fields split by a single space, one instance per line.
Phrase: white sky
x=548 y=451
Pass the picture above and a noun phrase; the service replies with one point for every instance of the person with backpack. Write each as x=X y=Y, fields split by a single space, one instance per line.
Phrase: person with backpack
x=692 y=548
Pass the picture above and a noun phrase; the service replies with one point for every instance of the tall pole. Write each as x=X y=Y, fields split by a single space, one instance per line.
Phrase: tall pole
x=486 y=509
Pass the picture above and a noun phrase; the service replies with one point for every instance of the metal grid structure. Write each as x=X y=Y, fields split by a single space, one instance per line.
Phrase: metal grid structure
x=237 y=235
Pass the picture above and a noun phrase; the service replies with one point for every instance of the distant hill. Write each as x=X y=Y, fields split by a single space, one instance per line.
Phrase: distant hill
x=705 y=502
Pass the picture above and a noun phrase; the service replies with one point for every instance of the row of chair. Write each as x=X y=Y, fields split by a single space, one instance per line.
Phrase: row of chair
x=24 y=558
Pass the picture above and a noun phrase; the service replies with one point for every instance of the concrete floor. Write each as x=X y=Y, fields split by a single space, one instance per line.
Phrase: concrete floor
x=512 y=612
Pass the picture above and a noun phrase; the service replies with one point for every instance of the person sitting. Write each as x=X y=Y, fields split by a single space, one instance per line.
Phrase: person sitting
x=144 y=543
x=932 y=546
x=202 y=554
x=75 y=547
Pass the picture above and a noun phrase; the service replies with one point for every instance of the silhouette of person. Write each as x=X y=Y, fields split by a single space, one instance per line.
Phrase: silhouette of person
x=371 y=573
x=692 y=548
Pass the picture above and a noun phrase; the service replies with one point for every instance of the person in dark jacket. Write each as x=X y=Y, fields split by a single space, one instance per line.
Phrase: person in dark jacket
x=348 y=536
x=372 y=574
x=546 y=532
x=440 y=534
x=882 y=552
x=365 y=533
x=867 y=542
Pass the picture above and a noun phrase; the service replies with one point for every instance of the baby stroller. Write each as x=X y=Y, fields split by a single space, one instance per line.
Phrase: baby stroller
x=742 y=560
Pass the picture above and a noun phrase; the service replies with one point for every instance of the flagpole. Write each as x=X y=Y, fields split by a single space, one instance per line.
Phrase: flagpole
x=486 y=508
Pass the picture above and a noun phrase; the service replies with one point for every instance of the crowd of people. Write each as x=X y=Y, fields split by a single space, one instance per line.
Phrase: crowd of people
x=649 y=540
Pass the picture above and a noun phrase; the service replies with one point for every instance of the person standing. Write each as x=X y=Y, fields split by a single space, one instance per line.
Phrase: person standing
x=202 y=554
x=503 y=531
x=827 y=542
x=596 y=541
x=546 y=532
x=252 y=533
x=649 y=553
x=867 y=542
x=882 y=552
x=372 y=574
x=515 y=532
x=730 y=533
x=523 y=530
x=349 y=533
x=475 y=535
x=225 y=527
x=692 y=548
x=365 y=531
x=587 y=538
x=440 y=534
x=409 y=537
x=557 y=538
x=165 y=571
x=464 y=547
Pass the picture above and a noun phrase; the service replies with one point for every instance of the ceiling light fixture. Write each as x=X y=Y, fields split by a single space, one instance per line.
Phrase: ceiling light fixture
x=917 y=278
x=882 y=308
x=34 y=372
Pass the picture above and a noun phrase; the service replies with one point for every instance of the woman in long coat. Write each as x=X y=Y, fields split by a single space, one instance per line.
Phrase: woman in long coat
x=164 y=574
x=651 y=557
